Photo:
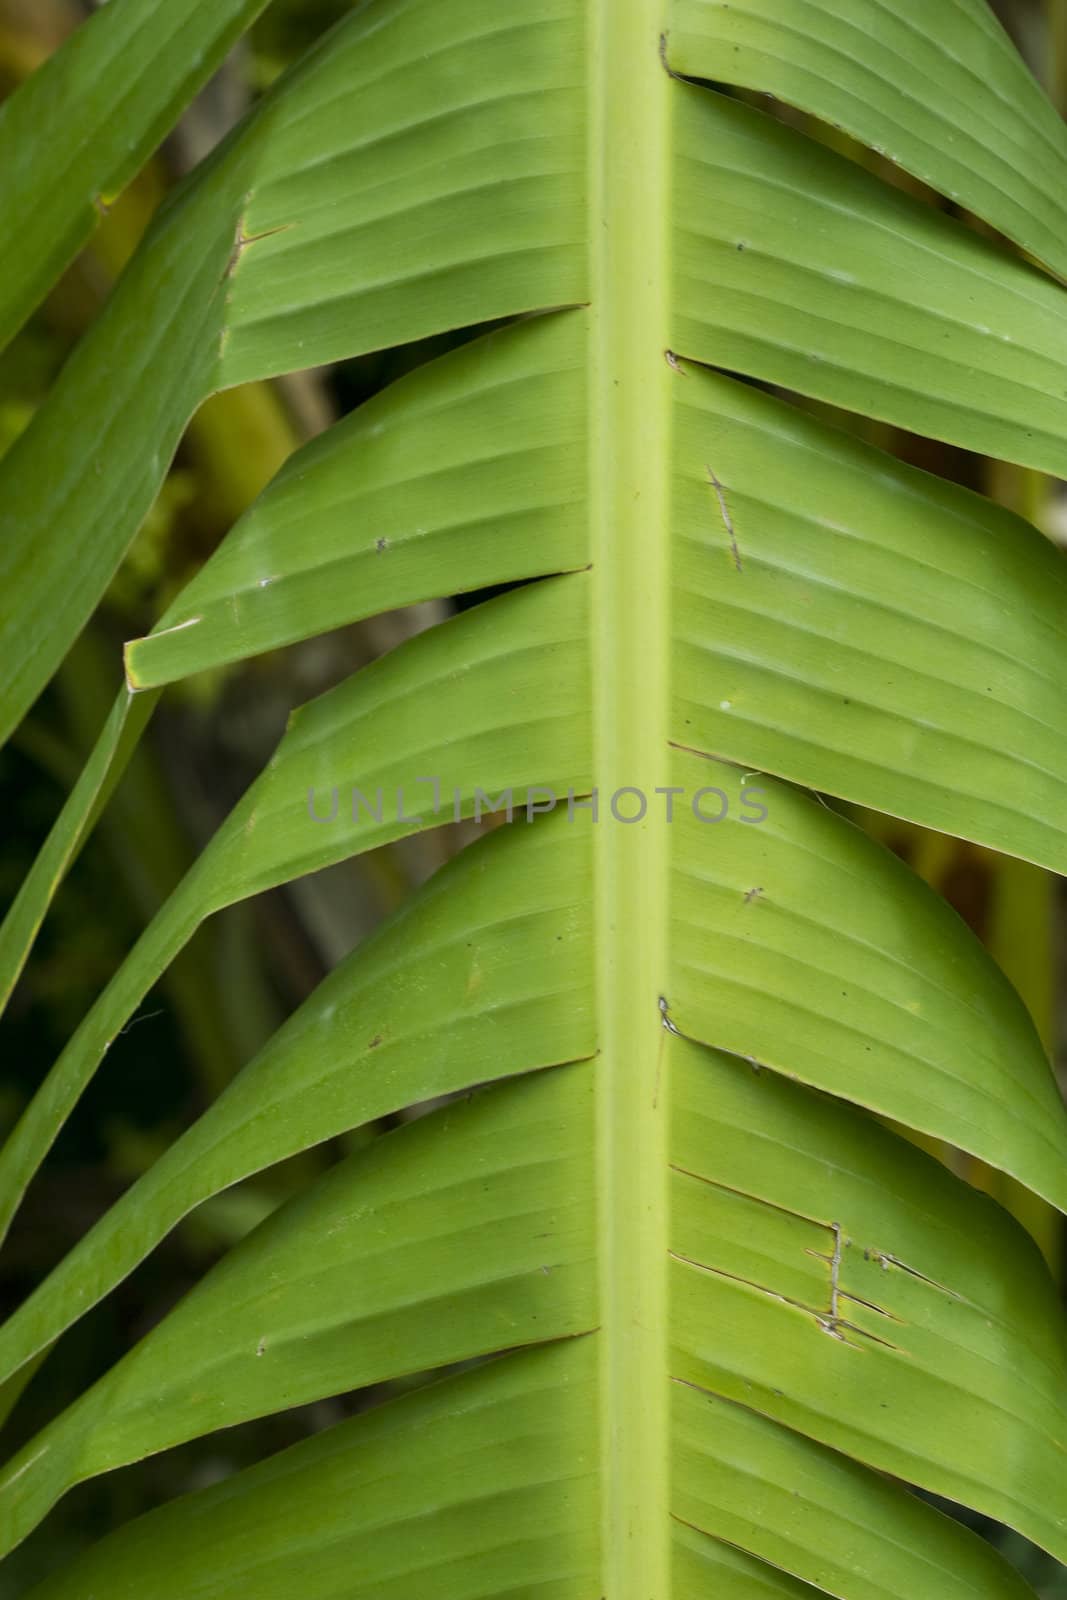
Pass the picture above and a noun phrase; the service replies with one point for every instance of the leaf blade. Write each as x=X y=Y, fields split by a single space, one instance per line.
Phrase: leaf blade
x=851 y=623
x=122 y=80
x=778 y=955
x=483 y=974
x=465 y=474
x=945 y=96
x=794 y=265
x=182 y=320
x=489 y=1219
x=444 y=1492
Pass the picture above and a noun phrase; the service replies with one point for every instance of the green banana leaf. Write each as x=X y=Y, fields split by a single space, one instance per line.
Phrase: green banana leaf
x=81 y=126
x=702 y=1320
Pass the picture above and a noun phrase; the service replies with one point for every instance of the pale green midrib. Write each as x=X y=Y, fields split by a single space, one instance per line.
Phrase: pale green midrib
x=629 y=378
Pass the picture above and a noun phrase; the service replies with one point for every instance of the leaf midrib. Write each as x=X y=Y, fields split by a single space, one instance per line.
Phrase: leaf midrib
x=629 y=178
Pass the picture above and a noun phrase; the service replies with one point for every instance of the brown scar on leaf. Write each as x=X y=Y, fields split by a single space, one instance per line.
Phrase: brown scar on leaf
x=375 y=1042
x=665 y=1018
x=831 y=1324
x=727 y=519
x=864 y=1333
x=834 y=1324
x=736 y=1277
x=674 y=364
x=244 y=239
x=756 y=1199
x=885 y=1261
x=858 y=1300
x=835 y=1272
x=668 y=1027
x=668 y=69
